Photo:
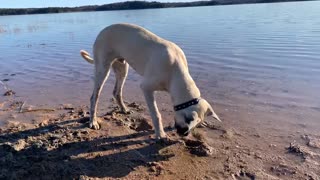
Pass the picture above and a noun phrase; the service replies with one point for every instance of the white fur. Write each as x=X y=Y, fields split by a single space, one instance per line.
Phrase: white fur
x=162 y=64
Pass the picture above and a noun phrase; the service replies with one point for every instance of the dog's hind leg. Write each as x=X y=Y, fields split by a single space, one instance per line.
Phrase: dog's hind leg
x=102 y=69
x=120 y=68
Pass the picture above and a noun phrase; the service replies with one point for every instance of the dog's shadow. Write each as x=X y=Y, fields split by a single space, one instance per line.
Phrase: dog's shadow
x=103 y=157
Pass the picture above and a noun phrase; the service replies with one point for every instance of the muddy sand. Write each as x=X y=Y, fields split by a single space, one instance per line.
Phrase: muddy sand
x=56 y=143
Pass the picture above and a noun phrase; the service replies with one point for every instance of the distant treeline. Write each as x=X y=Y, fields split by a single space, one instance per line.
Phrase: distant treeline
x=131 y=5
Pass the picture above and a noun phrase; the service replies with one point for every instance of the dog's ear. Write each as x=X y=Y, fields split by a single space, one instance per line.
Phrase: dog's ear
x=210 y=112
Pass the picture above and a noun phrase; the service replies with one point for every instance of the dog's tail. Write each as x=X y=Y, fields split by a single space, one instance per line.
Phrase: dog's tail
x=86 y=56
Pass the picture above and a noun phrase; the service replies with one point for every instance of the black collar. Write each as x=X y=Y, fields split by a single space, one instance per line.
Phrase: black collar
x=186 y=104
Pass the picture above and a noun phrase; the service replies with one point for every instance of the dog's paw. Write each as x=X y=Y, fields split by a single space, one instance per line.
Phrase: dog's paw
x=161 y=135
x=94 y=125
x=125 y=111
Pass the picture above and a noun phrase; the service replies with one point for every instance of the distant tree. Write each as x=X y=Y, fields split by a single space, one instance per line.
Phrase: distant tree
x=131 y=5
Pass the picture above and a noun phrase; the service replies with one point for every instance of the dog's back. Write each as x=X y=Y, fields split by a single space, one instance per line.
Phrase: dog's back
x=137 y=46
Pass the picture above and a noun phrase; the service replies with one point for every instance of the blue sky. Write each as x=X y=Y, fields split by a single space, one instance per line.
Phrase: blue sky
x=61 y=3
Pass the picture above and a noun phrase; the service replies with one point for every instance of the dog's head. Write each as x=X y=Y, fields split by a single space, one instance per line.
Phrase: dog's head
x=190 y=117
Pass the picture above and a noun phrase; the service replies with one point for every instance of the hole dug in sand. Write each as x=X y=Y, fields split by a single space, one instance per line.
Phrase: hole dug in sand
x=198 y=146
x=140 y=124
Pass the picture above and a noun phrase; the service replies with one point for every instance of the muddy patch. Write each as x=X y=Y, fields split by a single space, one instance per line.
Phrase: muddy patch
x=140 y=124
x=136 y=106
x=198 y=148
x=312 y=141
x=131 y=119
x=308 y=155
x=243 y=175
x=297 y=149
x=283 y=170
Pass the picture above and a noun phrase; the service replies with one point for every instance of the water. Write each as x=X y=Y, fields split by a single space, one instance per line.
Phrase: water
x=255 y=60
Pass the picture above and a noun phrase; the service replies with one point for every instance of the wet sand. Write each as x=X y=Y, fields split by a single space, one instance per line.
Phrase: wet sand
x=55 y=142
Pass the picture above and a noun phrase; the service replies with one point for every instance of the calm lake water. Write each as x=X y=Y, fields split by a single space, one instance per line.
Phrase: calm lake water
x=257 y=58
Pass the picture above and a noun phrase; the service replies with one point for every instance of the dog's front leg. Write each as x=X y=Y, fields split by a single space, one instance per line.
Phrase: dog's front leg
x=154 y=112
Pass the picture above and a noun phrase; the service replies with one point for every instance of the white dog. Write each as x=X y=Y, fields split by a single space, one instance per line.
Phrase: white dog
x=163 y=66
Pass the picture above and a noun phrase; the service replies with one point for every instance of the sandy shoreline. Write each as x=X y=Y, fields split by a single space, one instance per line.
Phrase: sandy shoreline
x=54 y=142
x=257 y=66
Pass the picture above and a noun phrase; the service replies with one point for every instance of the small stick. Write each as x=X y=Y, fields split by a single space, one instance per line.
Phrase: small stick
x=34 y=110
x=9 y=91
x=4 y=85
x=20 y=110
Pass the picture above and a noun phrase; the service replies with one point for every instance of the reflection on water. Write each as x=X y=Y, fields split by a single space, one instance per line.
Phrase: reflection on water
x=264 y=55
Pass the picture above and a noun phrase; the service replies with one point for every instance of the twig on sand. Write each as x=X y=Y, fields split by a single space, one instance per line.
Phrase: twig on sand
x=20 y=110
x=9 y=92
x=35 y=110
x=4 y=85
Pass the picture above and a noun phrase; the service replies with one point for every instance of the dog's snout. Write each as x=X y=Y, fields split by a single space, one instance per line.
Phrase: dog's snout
x=182 y=131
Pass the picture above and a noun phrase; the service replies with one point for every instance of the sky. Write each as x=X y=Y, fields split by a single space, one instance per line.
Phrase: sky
x=62 y=3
